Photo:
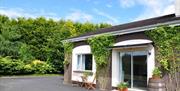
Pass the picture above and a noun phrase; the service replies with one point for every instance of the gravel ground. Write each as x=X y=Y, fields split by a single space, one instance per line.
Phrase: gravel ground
x=51 y=83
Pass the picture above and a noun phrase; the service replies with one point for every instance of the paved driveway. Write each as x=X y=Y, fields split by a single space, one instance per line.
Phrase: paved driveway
x=53 y=83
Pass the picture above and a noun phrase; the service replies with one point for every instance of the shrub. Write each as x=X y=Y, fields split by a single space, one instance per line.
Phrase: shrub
x=10 y=66
x=28 y=69
x=41 y=67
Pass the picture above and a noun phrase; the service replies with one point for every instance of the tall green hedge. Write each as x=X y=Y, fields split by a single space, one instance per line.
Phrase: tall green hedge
x=27 y=39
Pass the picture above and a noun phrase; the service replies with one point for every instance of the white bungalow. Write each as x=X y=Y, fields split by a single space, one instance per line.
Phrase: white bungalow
x=133 y=54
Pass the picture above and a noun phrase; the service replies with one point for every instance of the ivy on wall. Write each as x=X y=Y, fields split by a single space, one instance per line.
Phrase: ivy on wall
x=167 y=43
x=68 y=46
x=99 y=49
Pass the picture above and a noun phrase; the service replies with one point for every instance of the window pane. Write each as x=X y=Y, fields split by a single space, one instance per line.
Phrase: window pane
x=78 y=62
x=126 y=67
x=83 y=62
x=88 y=62
x=140 y=71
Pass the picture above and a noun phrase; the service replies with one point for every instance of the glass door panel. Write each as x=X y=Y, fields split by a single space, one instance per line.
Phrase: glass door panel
x=126 y=68
x=133 y=68
x=139 y=71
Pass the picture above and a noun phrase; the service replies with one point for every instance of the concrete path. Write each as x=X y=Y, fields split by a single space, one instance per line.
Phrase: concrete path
x=52 y=83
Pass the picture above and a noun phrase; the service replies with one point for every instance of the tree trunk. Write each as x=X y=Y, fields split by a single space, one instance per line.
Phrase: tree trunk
x=68 y=69
x=172 y=83
x=104 y=78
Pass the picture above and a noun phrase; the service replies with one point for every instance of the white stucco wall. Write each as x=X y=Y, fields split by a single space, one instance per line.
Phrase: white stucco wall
x=115 y=59
x=84 y=49
x=177 y=8
x=115 y=68
x=150 y=61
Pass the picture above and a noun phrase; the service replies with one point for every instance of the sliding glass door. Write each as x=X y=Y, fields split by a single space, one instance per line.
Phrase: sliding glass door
x=139 y=69
x=125 y=67
x=133 y=68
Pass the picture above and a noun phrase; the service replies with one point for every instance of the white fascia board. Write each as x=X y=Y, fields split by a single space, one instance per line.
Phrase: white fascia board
x=177 y=8
x=127 y=31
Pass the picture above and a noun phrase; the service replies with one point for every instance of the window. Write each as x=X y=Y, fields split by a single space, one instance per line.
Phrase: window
x=84 y=62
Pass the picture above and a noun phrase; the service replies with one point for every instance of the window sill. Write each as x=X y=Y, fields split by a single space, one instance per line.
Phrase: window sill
x=82 y=71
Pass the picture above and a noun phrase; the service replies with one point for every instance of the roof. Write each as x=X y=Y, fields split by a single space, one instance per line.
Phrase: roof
x=137 y=26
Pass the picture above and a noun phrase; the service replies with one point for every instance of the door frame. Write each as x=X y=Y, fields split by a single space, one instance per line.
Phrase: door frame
x=115 y=60
x=132 y=53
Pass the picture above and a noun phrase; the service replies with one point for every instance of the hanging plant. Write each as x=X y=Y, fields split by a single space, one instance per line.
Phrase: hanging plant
x=99 y=48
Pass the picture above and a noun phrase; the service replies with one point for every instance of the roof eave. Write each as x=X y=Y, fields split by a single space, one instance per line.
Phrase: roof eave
x=127 y=31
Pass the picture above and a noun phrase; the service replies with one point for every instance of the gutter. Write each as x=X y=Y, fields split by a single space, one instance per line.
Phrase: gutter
x=127 y=31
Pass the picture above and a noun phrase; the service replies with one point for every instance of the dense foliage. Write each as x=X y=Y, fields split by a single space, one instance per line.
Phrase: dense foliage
x=99 y=48
x=10 y=66
x=29 y=39
x=167 y=44
x=68 y=46
x=167 y=41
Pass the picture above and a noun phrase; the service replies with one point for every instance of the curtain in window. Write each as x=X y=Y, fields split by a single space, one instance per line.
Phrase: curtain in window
x=121 y=75
x=78 y=62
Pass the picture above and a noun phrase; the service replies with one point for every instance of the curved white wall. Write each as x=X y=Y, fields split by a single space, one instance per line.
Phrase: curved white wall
x=150 y=61
x=84 y=49
x=132 y=42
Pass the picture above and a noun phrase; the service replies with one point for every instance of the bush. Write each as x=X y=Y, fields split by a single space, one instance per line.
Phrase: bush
x=10 y=66
x=28 y=69
x=41 y=67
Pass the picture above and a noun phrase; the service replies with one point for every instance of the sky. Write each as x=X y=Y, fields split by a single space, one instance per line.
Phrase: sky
x=96 y=11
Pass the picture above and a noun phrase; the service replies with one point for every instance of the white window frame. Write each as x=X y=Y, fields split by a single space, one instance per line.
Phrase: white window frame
x=81 y=63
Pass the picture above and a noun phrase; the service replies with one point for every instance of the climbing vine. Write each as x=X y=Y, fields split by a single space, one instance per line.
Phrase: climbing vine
x=99 y=48
x=167 y=43
x=68 y=46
